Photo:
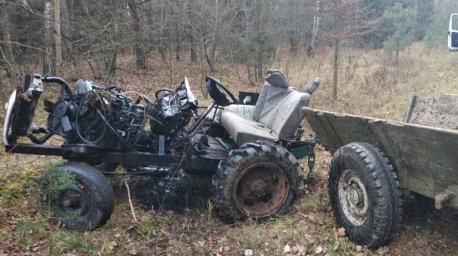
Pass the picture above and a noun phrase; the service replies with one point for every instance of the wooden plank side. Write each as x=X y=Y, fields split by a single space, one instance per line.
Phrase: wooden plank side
x=351 y=128
x=428 y=156
x=440 y=112
x=336 y=130
x=326 y=138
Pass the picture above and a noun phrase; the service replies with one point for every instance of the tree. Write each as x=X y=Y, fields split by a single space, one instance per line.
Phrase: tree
x=57 y=33
x=345 y=19
x=424 y=18
x=401 y=21
x=49 y=62
x=315 y=29
x=140 y=53
x=6 y=49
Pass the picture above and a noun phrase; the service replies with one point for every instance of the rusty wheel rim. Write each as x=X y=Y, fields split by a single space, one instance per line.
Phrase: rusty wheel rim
x=261 y=190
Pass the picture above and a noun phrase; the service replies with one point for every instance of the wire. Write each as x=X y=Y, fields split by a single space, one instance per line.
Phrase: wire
x=77 y=126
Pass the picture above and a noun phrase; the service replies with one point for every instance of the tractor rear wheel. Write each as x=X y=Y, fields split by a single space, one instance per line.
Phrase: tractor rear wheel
x=259 y=181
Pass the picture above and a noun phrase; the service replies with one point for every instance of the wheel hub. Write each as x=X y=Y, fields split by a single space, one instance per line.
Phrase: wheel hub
x=71 y=200
x=353 y=197
x=258 y=187
x=260 y=190
x=74 y=201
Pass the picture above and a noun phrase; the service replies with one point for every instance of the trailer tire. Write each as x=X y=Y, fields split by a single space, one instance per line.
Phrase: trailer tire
x=75 y=196
x=364 y=194
x=258 y=181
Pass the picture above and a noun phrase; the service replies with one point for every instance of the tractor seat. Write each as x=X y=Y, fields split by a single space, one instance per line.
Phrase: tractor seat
x=276 y=116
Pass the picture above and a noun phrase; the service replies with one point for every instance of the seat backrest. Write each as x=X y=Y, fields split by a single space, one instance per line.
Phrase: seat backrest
x=286 y=116
x=279 y=107
x=272 y=92
x=269 y=97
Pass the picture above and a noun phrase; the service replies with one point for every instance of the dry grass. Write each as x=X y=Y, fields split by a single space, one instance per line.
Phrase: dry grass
x=369 y=85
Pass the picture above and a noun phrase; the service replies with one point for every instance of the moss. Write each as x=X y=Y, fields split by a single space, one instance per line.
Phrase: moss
x=20 y=187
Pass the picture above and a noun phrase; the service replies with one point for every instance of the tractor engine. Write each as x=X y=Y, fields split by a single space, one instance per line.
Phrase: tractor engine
x=107 y=118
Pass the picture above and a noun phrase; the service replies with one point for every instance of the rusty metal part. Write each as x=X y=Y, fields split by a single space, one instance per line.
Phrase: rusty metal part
x=261 y=189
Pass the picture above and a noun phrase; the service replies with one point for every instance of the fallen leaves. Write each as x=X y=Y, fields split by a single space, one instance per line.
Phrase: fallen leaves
x=313 y=218
x=248 y=252
x=287 y=249
x=341 y=232
x=297 y=250
x=319 y=249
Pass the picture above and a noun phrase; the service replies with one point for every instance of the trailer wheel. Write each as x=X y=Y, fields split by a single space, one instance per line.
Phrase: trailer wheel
x=364 y=193
x=75 y=196
x=259 y=181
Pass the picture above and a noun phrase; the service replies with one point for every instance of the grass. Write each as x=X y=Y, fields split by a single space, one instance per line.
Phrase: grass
x=369 y=85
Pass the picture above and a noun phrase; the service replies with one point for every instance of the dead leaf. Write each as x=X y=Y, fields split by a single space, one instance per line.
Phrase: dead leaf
x=287 y=249
x=341 y=232
x=315 y=219
x=112 y=245
x=319 y=249
x=200 y=243
x=309 y=238
x=299 y=250
x=248 y=252
x=382 y=250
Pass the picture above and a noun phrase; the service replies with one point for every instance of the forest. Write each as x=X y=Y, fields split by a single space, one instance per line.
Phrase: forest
x=51 y=36
x=372 y=57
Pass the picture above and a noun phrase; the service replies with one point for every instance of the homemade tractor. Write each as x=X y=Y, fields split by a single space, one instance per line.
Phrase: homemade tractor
x=250 y=151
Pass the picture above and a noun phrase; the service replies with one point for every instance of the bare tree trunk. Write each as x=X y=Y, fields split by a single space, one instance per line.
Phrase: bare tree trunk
x=6 y=48
x=208 y=58
x=315 y=29
x=190 y=32
x=178 y=44
x=335 y=70
x=49 y=64
x=138 y=48
x=193 y=50
x=66 y=32
x=57 y=35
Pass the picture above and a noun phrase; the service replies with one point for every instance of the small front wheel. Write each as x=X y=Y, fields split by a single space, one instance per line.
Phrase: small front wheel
x=364 y=193
x=76 y=196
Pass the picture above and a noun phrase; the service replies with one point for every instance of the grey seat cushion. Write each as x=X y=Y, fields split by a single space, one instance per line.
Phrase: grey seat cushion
x=245 y=111
x=244 y=130
x=277 y=113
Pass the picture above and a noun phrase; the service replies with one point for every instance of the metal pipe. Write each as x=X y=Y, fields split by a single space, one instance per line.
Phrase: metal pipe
x=58 y=80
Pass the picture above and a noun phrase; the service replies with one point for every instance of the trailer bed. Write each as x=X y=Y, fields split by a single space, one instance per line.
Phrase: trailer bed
x=426 y=157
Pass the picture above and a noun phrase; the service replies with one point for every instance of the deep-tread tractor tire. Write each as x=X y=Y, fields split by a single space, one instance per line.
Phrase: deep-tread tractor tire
x=76 y=196
x=259 y=180
x=364 y=194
